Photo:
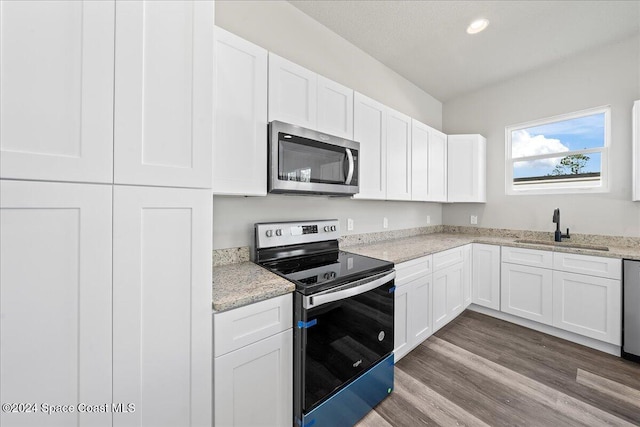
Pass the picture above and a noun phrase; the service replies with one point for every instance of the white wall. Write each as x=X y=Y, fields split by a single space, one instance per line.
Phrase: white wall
x=281 y=28
x=604 y=76
x=233 y=217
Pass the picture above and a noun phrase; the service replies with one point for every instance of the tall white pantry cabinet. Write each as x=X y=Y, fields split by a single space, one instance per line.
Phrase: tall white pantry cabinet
x=105 y=211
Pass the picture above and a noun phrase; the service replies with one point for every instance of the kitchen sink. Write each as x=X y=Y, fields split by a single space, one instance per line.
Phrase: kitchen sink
x=562 y=244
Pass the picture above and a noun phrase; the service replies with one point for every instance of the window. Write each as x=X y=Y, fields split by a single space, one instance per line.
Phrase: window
x=562 y=154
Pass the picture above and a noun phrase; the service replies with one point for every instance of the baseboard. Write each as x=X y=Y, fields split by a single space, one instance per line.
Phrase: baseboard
x=550 y=330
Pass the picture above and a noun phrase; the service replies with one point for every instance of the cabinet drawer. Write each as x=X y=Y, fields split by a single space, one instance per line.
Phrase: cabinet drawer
x=411 y=270
x=242 y=326
x=610 y=268
x=447 y=258
x=531 y=257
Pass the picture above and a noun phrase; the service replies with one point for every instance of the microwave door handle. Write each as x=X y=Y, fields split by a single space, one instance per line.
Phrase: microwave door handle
x=351 y=167
x=312 y=301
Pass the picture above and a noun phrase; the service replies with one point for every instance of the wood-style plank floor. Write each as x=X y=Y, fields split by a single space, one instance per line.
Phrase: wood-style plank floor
x=480 y=371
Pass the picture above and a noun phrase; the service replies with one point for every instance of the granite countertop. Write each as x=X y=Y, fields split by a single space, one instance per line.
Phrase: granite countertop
x=236 y=285
x=408 y=248
x=238 y=282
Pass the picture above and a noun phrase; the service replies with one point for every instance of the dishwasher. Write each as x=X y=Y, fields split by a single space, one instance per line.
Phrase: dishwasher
x=631 y=311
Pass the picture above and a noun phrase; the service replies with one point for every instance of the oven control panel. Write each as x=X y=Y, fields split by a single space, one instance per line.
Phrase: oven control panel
x=272 y=234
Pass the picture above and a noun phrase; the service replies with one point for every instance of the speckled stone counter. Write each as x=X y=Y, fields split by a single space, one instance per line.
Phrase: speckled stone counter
x=406 y=249
x=238 y=282
x=236 y=285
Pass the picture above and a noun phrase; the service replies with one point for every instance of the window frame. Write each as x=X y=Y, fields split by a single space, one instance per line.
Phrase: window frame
x=560 y=187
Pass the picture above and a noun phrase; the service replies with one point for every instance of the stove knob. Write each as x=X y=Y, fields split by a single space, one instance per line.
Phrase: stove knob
x=327 y=228
x=333 y=228
x=330 y=275
x=269 y=233
x=278 y=232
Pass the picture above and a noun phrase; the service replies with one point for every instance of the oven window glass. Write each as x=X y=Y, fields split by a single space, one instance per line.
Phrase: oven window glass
x=349 y=337
x=305 y=160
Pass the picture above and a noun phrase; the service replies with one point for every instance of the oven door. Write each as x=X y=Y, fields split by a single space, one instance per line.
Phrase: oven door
x=305 y=161
x=339 y=334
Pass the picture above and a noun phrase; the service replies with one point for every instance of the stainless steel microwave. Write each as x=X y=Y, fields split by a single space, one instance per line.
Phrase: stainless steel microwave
x=305 y=161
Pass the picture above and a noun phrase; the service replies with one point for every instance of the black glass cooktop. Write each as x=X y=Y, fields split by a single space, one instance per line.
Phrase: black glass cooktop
x=315 y=273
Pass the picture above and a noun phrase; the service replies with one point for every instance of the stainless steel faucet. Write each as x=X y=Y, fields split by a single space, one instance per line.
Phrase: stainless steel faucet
x=558 y=234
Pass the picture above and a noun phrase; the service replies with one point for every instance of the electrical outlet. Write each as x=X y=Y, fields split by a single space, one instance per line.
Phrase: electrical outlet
x=385 y=222
x=474 y=219
x=428 y=219
x=349 y=224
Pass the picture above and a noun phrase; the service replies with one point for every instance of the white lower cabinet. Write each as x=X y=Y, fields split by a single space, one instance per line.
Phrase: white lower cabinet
x=55 y=300
x=527 y=292
x=412 y=320
x=448 y=294
x=162 y=346
x=253 y=385
x=466 y=276
x=486 y=275
x=253 y=367
x=587 y=305
x=412 y=315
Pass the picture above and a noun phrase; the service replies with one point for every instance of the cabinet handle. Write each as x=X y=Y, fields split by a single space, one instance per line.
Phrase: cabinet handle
x=351 y=166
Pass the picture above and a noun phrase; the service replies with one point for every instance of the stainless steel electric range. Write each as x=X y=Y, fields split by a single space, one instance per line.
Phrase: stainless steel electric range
x=343 y=320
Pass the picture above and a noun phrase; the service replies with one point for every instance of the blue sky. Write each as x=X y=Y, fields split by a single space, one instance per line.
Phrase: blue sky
x=567 y=135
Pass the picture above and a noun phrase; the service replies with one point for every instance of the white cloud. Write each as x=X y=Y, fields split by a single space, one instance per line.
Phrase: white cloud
x=525 y=145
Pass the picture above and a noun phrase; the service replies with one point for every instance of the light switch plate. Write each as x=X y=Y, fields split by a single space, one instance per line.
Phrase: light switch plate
x=349 y=224
x=385 y=222
x=474 y=219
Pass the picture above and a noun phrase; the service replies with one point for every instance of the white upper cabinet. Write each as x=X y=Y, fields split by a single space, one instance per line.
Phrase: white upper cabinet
x=419 y=161
x=335 y=108
x=437 y=167
x=293 y=93
x=398 y=156
x=56 y=82
x=55 y=299
x=466 y=168
x=428 y=163
x=635 y=195
x=240 y=99
x=370 y=130
x=163 y=84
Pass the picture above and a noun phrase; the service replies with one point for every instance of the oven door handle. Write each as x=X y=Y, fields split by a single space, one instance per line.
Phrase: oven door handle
x=351 y=166
x=350 y=290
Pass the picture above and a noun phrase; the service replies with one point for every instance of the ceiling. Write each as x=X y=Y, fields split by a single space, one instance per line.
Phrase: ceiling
x=426 y=41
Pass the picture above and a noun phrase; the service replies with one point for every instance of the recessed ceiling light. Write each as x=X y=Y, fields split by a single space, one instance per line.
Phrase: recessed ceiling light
x=477 y=26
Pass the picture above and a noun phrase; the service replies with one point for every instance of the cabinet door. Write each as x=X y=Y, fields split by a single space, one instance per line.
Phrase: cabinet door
x=635 y=145
x=370 y=130
x=293 y=93
x=401 y=337
x=447 y=295
x=254 y=385
x=527 y=292
x=437 y=167
x=240 y=94
x=163 y=93
x=486 y=276
x=466 y=276
x=466 y=168
x=162 y=343
x=335 y=108
x=55 y=299
x=57 y=90
x=587 y=305
x=420 y=309
x=398 y=156
x=419 y=161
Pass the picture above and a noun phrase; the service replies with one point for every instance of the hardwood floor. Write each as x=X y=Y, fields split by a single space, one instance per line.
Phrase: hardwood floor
x=480 y=371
